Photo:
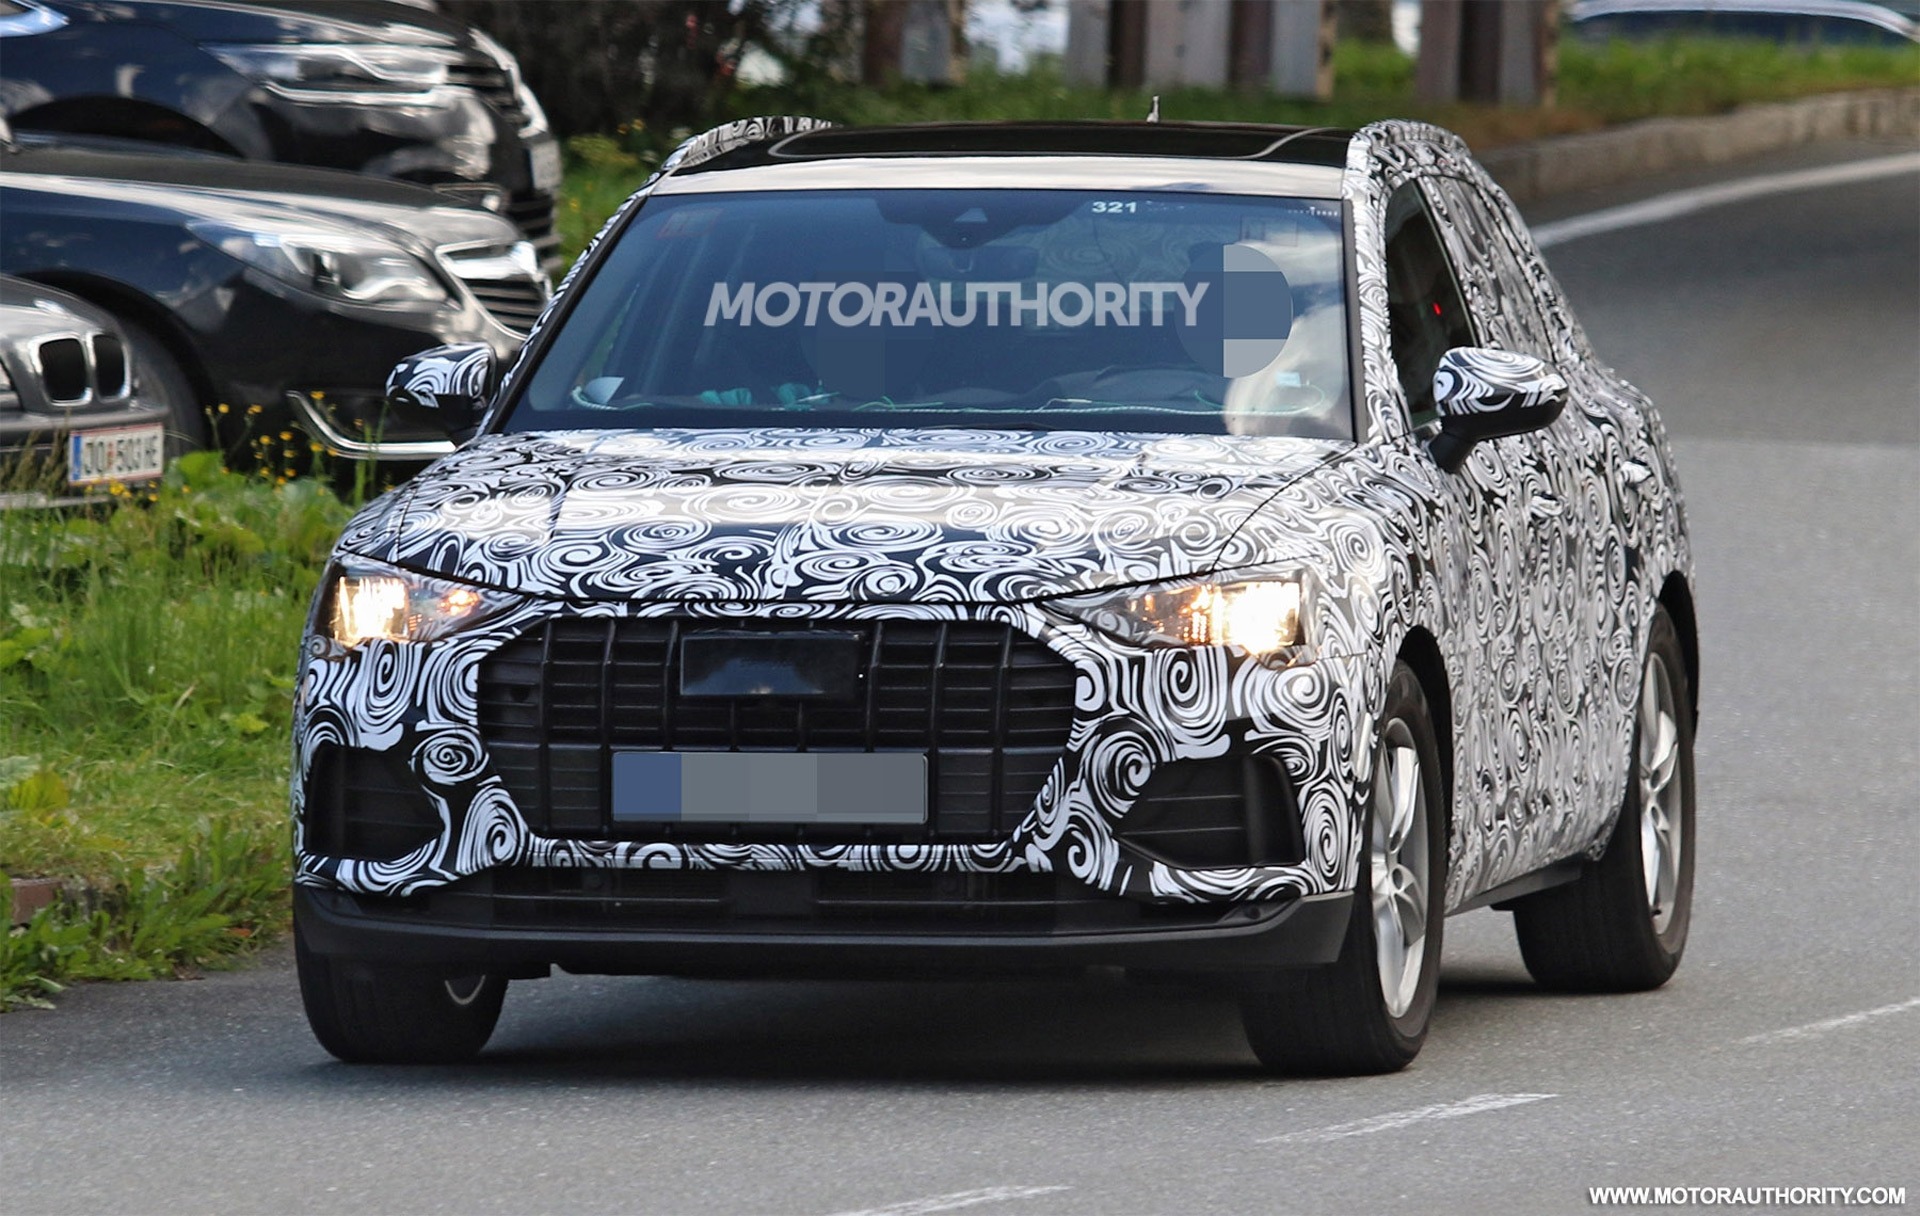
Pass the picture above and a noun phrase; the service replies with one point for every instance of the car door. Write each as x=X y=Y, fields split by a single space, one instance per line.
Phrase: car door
x=1491 y=640
x=1562 y=497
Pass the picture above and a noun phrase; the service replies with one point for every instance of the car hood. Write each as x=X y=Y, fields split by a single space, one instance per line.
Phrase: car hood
x=281 y=21
x=829 y=515
x=246 y=193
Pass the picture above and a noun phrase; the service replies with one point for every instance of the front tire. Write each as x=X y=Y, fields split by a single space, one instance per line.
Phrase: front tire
x=367 y=1013
x=1622 y=925
x=1368 y=1012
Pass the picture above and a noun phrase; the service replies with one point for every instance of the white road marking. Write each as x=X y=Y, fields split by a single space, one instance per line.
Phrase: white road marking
x=1844 y=1022
x=958 y=1199
x=1406 y=1118
x=1699 y=198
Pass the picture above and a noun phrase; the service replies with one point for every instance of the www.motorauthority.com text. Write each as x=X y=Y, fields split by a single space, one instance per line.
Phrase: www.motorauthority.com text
x=1749 y=1196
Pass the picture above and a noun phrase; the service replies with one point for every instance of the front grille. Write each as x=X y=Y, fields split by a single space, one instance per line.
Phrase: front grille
x=515 y=303
x=532 y=213
x=109 y=366
x=505 y=279
x=988 y=706
x=494 y=86
x=63 y=367
x=577 y=898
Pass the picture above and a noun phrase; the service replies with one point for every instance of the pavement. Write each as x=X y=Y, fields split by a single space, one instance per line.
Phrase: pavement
x=1781 y=336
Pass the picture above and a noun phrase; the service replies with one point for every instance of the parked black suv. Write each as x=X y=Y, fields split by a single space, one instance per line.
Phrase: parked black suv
x=376 y=87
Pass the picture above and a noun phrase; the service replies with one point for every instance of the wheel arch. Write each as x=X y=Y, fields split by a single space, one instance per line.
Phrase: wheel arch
x=1420 y=650
x=1677 y=598
x=131 y=305
x=123 y=118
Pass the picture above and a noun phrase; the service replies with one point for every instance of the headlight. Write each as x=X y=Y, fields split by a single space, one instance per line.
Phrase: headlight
x=344 y=74
x=1259 y=616
x=345 y=265
x=368 y=600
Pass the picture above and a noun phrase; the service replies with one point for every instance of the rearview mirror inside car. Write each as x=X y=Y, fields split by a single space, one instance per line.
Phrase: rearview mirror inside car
x=446 y=388
x=1483 y=393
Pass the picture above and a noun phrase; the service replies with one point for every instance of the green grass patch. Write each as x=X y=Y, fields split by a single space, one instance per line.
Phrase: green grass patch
x=147 y=655
x=1598 y=86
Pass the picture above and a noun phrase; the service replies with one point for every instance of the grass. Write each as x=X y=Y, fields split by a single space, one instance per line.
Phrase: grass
x=147 y=652
x=1598 y=86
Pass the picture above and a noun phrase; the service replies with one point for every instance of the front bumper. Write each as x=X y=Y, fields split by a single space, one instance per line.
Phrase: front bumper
x=462 y=929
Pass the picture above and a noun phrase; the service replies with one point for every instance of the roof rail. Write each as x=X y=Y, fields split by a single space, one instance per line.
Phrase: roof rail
x=728 y=137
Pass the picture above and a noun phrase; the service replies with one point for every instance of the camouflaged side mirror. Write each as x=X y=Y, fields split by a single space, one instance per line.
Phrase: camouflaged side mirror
x=1483 y=393
x=446 y=388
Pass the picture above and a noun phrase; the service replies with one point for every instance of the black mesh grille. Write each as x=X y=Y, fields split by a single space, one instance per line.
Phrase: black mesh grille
x=989 y=707
x=109 y=366
x=493 y=85
x=367 y=805
x=63 y=365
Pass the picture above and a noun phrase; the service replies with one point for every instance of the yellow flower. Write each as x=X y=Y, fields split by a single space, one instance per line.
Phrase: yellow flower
x=253 y=409
x=286 y=434
x=223 y=407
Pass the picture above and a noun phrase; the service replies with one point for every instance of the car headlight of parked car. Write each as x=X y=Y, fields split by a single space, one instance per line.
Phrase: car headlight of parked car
x=1262 y=616
x=348 y=266
x=345 y=73
x=369 y=600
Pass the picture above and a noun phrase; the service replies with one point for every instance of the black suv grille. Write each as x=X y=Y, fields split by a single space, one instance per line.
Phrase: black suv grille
x=989 y=706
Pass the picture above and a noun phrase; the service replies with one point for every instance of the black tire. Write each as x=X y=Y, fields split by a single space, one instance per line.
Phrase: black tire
x=1602 y=932
x=161 y=381
x=366 y=1013
x=1336 y=1020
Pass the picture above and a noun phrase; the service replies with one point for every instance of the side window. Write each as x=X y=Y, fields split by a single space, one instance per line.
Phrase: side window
x=1424 y=310
x=1505 y=310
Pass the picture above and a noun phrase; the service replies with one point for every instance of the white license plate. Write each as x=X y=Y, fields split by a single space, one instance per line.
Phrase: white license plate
x=131 y=453
x=543 y=161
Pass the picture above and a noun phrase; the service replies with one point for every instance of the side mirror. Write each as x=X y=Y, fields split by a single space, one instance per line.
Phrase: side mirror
x=1488 y=394
x=445 y=388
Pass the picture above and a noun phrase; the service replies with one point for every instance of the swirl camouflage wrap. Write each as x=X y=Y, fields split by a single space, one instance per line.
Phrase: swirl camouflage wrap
x=1529 y=577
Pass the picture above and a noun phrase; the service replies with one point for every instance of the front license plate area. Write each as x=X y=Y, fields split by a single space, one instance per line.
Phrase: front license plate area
x=544 y=166
x=733 y=663
x=130 y=453
x=856 y=788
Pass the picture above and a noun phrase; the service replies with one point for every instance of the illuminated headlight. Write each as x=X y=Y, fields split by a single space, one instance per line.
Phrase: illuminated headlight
x=342 y=74
x=368 y=600
x=346 y=265
x=1260 y=616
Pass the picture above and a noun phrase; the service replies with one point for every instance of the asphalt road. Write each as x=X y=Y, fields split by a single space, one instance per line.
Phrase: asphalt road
x=1782 y=336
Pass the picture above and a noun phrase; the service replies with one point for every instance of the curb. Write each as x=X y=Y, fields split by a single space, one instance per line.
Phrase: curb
x=1603 y=158
x=32 y=894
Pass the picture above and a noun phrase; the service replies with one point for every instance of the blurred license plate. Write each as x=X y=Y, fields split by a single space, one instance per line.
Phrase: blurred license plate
x=132 y=453
x=770 y=787
x=543 y=162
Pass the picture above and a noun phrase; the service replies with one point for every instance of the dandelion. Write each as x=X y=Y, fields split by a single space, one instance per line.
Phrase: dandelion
x=317 y=395
x=285 y=435
x=223 y=407
x=253 y=409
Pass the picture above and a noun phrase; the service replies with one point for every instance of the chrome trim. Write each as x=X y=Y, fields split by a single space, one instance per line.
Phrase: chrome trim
x=35 y=20
x=316 y=424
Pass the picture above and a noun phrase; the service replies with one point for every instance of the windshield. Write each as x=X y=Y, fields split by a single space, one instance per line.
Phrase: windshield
x=1043 y=310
